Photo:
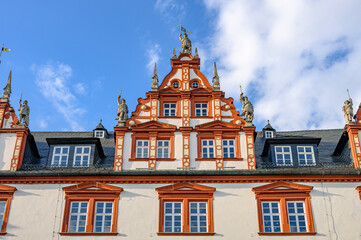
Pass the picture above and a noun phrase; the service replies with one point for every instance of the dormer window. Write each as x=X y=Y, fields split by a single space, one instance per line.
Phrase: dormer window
x=99 y=133
x=306 y=156
x=60 y=156
x=283 y=155
x=268 y=134
x=81 y=156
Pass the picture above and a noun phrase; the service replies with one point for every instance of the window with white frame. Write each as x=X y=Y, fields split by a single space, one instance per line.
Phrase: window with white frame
x=283 y=155
x=173 y=217
x=198 y=216
x=305 y=155
x=60 y=156
x=81 y=156
x=103 y=216
x=228 y=148
x=268 y=134
x=201 y=109
x=77 y=216
x=142 y=148
x=99 y=133
x=271 y=217
x=207 y=148
x=296 y=216
x=163 y=149
x=169 y=109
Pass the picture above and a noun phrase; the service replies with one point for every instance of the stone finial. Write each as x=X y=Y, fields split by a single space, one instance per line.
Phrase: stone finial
x=196 y=54
x=122 y=112
x=7 y=90
x=348 y=111
x=216 y=85
x=186 y=43
x=154 y=86
x=247 y=109
x=174 y=56
x=24 y=113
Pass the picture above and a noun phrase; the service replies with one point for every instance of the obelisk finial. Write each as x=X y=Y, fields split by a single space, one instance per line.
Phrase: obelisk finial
x=154 y=86
x=7 y=90
x=196 y=54
x=174 y=56
x=216 y=85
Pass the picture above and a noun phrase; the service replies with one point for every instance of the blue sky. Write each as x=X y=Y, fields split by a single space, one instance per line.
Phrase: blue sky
x=71 y=58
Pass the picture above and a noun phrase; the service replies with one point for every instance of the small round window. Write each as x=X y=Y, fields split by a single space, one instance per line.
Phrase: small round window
x=195 y=84
x=175 y=85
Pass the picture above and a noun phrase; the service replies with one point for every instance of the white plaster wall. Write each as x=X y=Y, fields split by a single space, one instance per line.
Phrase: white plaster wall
x=226 y=113
x=8 y=121
x=172 y=121
x=144 y=114
x=36 y=213
x=7 y=145
x=243 y=144
x=197 y=121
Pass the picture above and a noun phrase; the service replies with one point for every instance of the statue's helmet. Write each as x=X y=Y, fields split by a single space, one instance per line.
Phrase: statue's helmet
x=25 y=101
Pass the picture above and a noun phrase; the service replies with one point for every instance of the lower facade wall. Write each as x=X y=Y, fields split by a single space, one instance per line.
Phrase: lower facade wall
x=37 y=211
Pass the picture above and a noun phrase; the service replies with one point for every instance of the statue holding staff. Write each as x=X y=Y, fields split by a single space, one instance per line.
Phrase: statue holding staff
x=348 y=109
x=122 y=112
x=24 y=112
x=247 y=108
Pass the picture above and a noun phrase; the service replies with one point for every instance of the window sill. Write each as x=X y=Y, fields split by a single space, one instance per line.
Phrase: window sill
x=3 y=233
x=286 y=233
x=214 y=159
x=169 y=117
x=201 y=116
x=185 y=234
x=147 y=159
x=88 y=234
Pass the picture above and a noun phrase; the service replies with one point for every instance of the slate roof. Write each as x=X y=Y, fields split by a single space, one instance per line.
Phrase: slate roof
x=326 y=148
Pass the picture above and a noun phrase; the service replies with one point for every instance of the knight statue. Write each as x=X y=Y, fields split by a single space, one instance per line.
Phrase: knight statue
x=122 y=112
x=247 y=109
x=24 y=112
x=185 y=42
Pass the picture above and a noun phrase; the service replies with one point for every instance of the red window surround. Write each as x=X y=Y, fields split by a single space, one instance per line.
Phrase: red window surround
x=6 y=194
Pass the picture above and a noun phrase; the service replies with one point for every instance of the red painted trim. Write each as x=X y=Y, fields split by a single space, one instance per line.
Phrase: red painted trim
x=185 y=234
x=88 y=234
x=287 y=233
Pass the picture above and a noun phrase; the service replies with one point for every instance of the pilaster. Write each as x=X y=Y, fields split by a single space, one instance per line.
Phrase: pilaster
x=18 y=154
x=154 y=96
x=217 y=105
x=185 y=109
x=353 y=136
x=218 y=148
x=119 y=146
x=186 y=131
x=251 y=160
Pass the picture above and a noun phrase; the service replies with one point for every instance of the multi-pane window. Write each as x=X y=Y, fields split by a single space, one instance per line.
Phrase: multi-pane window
x=169 y=109
x=81 y=156
x=163 y=149
x=201 y=109
x=77 y=216
x=305 y=155
x=284 y=207
x=271 y=217
x=2 y=211
x=99 y=133
x=283 y=155
x=207 y=148
x=103 y=216
x=269 y=134
x=296 y=216
x=173 y=217
x=60 y=156
x=228 y=148
x=198 y=216
x=142 y=148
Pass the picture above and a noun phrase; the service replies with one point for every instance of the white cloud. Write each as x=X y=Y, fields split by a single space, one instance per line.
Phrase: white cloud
x=80 y=88
x=153 y=56
x=294 y=59
x=43 y=124
x=171 y=11
x=52 y=80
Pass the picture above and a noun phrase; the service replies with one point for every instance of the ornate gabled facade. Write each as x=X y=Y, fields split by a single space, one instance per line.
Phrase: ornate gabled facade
x=186 y=164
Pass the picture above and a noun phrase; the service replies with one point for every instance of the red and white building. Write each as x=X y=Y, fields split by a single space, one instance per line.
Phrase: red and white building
x=185 y=165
